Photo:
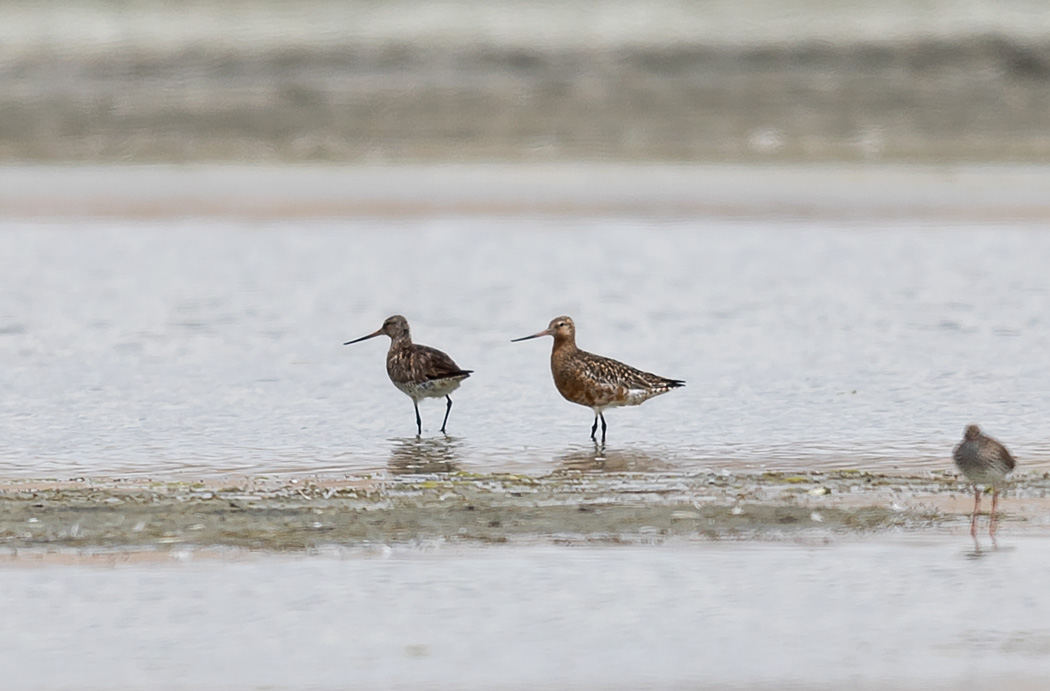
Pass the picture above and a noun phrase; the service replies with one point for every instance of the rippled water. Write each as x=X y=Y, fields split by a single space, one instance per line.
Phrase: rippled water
x=888 y=614
x=215 y=345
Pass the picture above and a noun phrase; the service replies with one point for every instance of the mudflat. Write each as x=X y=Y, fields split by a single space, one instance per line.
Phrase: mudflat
x=517 y=81
x=303 y=514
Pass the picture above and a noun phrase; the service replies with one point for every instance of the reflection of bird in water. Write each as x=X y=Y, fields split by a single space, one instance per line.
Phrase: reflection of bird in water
x=418 y=371
x=595 y=381
x=612 y=461
x=984 y=461
x=416 y=456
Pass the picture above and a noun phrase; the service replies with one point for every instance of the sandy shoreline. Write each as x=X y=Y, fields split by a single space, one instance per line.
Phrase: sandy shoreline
x=980 y=95
x=306 y=514
x=856 y=192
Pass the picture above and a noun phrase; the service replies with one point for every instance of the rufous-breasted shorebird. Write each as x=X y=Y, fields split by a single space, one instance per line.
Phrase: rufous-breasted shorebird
x=595 y=381
x=419 y=371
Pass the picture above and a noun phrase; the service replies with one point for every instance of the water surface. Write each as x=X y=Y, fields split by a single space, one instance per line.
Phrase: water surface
x=888 y=613
x=213 y=345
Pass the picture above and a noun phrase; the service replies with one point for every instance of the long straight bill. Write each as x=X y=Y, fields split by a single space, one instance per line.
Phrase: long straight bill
x=545 y=332
x=364 y=338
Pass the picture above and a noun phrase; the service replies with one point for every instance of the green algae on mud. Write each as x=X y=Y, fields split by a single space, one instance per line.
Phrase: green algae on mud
x=307 y=513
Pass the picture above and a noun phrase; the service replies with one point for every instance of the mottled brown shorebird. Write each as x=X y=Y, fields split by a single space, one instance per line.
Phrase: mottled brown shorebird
x=419 y=371
x=595 y=381
x=984 y=461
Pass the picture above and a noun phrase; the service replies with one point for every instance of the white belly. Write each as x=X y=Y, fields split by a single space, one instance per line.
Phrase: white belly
x=435 y=388
x=630 y=397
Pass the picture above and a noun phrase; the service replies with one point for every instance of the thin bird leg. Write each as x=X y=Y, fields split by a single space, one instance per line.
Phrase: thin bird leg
x=976 y=506
x=448 y=409
x=995 y=519
x=419 y=422
x=594 y=428
x=602 y=416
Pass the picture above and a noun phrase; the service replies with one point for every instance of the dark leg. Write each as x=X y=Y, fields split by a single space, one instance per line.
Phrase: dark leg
x=995 y=519
x=602 y=416
x=976 y=506
x=594 y=428
x=419 y=422
x=448 y=409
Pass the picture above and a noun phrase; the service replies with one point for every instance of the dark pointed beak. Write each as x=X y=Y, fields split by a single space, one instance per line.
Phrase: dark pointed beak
x=545 y=332
x=365 y=338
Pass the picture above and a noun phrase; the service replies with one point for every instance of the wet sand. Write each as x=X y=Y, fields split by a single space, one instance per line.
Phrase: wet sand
x=855 y=192
x=517 y=81
x=574 y=507
x=985 y=100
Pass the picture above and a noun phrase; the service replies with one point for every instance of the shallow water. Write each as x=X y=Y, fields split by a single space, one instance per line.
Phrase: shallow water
x=213 y=345
x=885 y=613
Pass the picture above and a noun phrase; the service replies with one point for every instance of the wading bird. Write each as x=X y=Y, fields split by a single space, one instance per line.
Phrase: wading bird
x=419 y=371
x=595 y=381
x=983 y=461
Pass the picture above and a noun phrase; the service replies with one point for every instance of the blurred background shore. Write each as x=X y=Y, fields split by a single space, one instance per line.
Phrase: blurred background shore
x=518 y=80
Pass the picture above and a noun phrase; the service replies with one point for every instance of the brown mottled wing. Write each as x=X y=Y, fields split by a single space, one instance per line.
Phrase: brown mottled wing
x=970 y=456
x=610 y=374
x=995 y=450
x=430 y=363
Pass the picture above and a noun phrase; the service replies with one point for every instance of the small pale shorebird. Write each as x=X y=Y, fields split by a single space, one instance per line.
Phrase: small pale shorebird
x=983 y=461
x=595 y=381
x=419 y=371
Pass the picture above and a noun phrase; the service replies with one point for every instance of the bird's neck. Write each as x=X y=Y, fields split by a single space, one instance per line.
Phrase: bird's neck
x=401 y=341
x=564 y=344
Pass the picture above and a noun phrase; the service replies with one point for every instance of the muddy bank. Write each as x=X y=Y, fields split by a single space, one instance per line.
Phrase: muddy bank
x=304 y=514
x=981 y=98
